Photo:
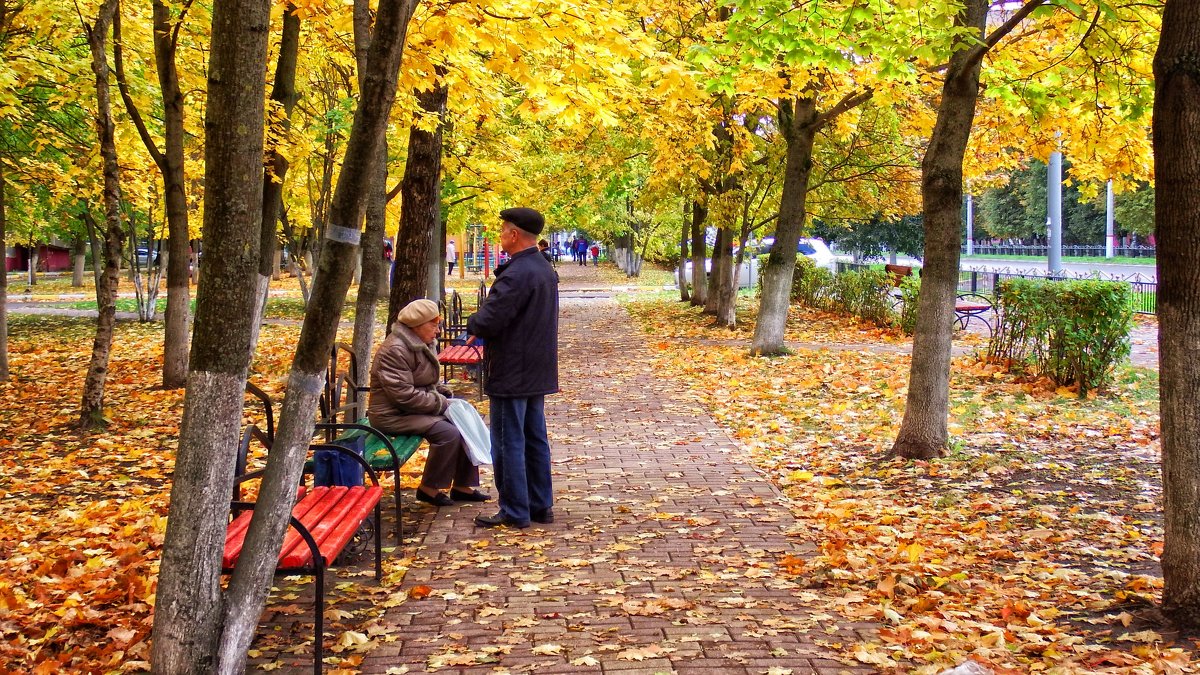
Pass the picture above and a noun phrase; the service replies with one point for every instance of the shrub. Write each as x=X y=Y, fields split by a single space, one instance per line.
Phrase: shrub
x=811 y=284
x=910 y=291
x=864 y=293
x=1074 y=332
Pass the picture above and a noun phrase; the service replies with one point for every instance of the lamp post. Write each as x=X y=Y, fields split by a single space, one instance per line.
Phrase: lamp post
x=1054 y=214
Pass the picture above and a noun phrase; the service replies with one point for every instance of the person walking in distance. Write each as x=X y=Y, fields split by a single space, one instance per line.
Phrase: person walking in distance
x=519 y=321
x=581 y=251
x=451 y=257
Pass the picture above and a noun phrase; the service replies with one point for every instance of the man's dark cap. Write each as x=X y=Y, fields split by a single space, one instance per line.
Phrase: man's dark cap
x=525 y=218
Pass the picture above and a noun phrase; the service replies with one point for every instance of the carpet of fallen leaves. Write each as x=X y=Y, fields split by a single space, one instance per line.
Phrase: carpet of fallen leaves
x=82 y=515
x=1032 y=547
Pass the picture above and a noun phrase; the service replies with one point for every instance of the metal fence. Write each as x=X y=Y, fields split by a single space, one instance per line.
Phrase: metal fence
x=1142 y=298
x=1068 y=251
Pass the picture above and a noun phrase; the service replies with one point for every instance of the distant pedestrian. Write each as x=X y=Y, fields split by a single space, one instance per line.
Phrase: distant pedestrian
x=519 y=320
x=595 y=255
x=451 y=257
x=581 y=251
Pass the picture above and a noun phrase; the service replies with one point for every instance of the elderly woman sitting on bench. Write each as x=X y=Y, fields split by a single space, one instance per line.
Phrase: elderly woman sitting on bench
x=407 y=399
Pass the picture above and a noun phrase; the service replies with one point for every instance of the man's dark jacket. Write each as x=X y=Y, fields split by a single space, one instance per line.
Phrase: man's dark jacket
x=519 y=322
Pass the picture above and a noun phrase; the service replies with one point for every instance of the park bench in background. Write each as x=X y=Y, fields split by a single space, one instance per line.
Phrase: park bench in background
x=897 y=273
x=323 y=521
x=465 y=356
x=970 y=307
x=453 y=350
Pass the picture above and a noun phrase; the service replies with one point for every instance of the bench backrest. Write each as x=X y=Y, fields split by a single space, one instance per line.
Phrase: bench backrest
x=898 y=272
x=341 y=397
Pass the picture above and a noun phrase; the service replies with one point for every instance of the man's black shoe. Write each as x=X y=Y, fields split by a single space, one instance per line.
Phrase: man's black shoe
x=498 y=520
x=545 y=517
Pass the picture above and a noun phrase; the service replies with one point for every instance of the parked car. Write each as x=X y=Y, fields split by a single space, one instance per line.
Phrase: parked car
x=747 y=276
x=815 y=250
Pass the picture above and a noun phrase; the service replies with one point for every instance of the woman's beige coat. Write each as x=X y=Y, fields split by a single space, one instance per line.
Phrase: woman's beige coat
x=404 y=385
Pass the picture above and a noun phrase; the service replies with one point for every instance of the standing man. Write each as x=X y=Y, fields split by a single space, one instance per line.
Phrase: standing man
x=451 y=257
x=519 y=320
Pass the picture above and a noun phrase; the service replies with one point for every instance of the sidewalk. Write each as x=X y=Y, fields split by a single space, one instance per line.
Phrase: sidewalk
x=664 y=556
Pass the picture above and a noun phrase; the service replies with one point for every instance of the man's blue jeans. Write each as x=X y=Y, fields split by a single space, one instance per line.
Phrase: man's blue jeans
x=521 y=457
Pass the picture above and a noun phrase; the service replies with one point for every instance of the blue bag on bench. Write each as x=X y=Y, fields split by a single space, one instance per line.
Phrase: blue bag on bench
x=331 y=467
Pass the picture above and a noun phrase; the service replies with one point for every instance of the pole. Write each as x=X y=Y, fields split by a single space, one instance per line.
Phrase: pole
x=1109 y=229
x=970 y=225
x=1054 y=213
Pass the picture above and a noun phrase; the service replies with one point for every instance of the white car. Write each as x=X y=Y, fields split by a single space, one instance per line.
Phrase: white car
x=746 y=278
x=815 y=250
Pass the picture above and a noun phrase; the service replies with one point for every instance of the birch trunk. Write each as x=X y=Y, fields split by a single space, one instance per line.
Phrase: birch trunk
x=91 y=412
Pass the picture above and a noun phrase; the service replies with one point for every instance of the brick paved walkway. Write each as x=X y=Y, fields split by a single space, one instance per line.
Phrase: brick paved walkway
x=663 y=557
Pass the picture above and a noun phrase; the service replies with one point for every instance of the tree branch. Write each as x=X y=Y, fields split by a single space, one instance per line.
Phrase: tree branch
x=849 y=102
x=123 y=87
x=978 y=51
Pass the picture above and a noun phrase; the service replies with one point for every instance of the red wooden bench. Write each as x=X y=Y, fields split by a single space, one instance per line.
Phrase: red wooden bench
x=323 y=521
x=898 y=272
x=463 y=355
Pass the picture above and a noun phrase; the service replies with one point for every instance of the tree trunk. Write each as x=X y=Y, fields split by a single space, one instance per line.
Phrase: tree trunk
x=251 y=581
x=684 y=296
x=727 y=287
x=420 y=206
x=283 y=94
x=188 y=618
x=78 y=258
x=176 y=317
x=699 y=254
x=712 y=295
x=170 y=163
x=373 y=265
x=91 y=413
x=1176 y=210
x=923 y=432
x=800 y=125
x=3 y=278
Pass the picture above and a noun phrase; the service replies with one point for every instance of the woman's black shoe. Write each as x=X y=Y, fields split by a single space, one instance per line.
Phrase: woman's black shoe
x=472 y=496
x=440 y=499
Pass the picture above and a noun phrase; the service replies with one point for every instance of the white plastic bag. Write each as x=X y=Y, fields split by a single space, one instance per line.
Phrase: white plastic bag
x=470 y=424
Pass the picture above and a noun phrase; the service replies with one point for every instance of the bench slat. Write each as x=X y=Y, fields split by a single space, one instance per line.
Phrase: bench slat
x=235 y=533
x=309 y=512
x=331 y=515
x=235 y=538
x=336 y=527
x=461 y=355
